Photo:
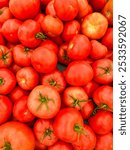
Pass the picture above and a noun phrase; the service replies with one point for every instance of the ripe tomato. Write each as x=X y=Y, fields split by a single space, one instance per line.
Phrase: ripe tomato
x=94 y=25
x=103 y=71
x=98 y=5
x=78 y=73
x=54 y=79
x=4 y=3
x=27 y=78
x=2 y=40
x=10 y=30
x=24 y=136
x=104 y=142
x=44 y=102
x=50 y=9
x=60 y=145
x=69 y=9
x=24 y=9
x=101 y=122
x=39 y=146
x=68 y=125
x=44 y=132
x=15 y=68
x=75 y=97
x=52 y=26
x=5 y=14
x=75 y=52
x=39 y=18
x=44 y=60
x=87 y=141
x=7 y=81
x=5 y=108
x=103 y=97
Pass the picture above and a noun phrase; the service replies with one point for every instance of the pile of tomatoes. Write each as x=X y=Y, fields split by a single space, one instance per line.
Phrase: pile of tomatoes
x=56 y=74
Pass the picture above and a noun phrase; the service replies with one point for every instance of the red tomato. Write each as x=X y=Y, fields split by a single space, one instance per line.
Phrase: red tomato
x=24 y=136
x=71 y=28
x=66 y=10
x=98 y=5
x=2 y=40
x=5 y=56
x=30 y=34
x=44 y=60
x=5 y=14
x=78 y=73
x=68 y=125
x=54 y=79
x=52 y=26
x=60 y=145
x=103 y=97
x=15 y=68
x=75 y=52
x=87 y=141
x=24 y=9
x=58 y=40
x=27 y=78
x=39 y=18
x=10 y=30
x=94 y=25
x=22 y=55
x=5 y=108
x=101 y=122
x=104 y=142
x=103 y=71
x=44 y=102
x=4 y=3
x=44 y=132
x=98 y=50
x=39 y=146
x=75 y=97
x=7 y=81
x=50 y=9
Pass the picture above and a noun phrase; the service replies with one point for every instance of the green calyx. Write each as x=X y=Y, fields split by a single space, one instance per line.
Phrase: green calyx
x=47 y=132
x=106 y=70
x=26 y=50
x=1 y=81
x=7 y=146
x=52 y=82
x=5 y=56
x=1 y=12
x=40 y=36
x=65 y=56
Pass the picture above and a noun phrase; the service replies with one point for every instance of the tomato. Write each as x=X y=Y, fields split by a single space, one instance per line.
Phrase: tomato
x=24 y=9
x=10 y=30
x=15 y=68
x=44 y=102
x=2 y=40
x=98 y=5
x=4 y=3
x=39 y=146
x=7 y=81
x=50 y=9
x=87 y=141
x=44 y=132
x=39 y=18
x=27 y=78
x=54 y=79
x=60 y=145
x=75 y=97
x=109 y=55
x=5 y=14
x=103 y=97
x=44 y=60
x=101 y=122
x=58 y=40
x=104 y=142
x=5 y=108
x=94 y=25
x=24 y=136
x=5 y=56
x=30 y=34
x=52 y=26
x=68 y=125
x=75 y=52
x=22 y=55
x=71 y=28
x=98 y=50
x=69 y=9
x=103 y=71
x=78 y=73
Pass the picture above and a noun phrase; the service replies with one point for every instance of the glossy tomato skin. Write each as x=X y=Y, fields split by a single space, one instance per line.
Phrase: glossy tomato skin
x=94 y=26
x=69 y=9
x=7 y=81
x=10 y=30
x=101 y=122
x=44 y=132
x=5 y=108
x=50 y=9
x=4 y=3
x=68 y=129
x=24 y=9
x=44 y=60
x=104 y=142
x=23 y=133
x=5 y=14
x=27 y=78
x=60 y=145
x=78 y=73
x=39 y=146
x=98 y=5
x=103 y=71
x=39 y=18
x=44 y=102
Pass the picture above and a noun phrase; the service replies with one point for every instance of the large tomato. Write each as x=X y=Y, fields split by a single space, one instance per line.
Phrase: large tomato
x=16 y=136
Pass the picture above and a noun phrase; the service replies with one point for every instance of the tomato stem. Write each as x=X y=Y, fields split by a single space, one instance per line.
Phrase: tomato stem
x=5 y=56
x=7 y=146
x=26 y=50
x=1 y=12
x=40 y=36
x=1 y=81
x=52 y=82
x=65 y=56
x=47 y=132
